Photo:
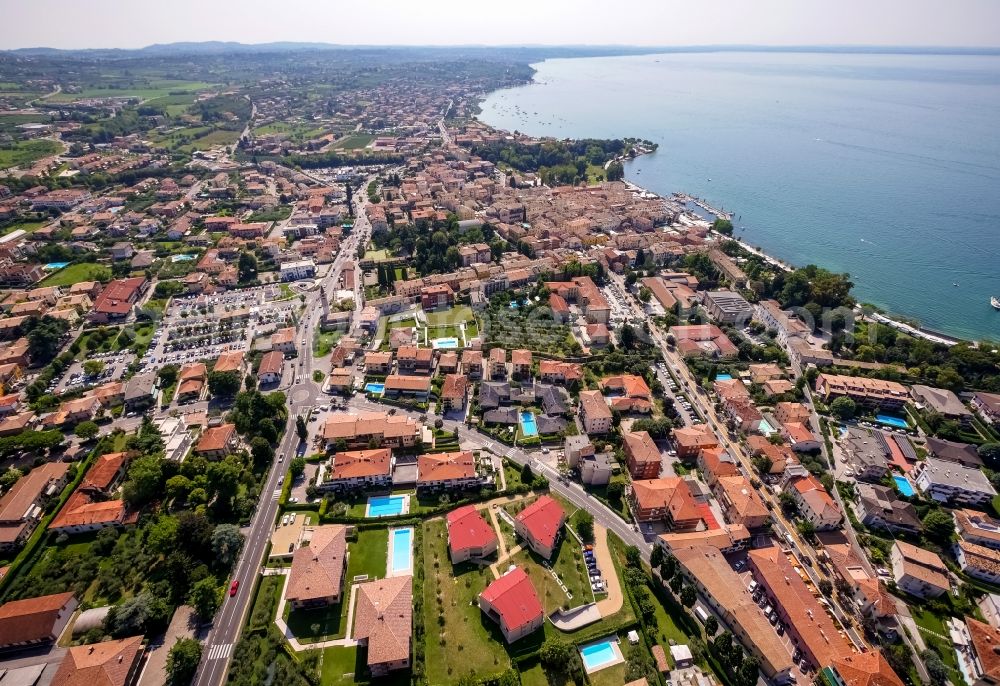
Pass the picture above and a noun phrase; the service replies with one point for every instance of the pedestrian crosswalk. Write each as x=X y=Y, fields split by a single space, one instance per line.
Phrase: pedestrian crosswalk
x=220 y=651
x=276 y=494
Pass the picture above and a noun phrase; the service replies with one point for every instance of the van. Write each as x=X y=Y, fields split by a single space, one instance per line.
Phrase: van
x=701 y=614
x=752 y=586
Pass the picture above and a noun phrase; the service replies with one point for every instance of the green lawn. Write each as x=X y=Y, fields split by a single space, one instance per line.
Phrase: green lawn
x=376 y=255
x=339 y=666
x=26 y=226
x=355 y=141
x=568 y=564
x=75 y=273
x=211 y=140
x=26 y=152
x=157 y=88
x=266 y=602
x=452 y=316
x=460 y=639
x=368 y=554
x=323 y=342
x=927 y=620
x=609 y=676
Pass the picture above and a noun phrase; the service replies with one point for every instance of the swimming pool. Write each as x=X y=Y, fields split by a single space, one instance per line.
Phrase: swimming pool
x=528 y=425
x=903 y=485
x=387 y=505
x=181 y=258
x=401 y=551
x=601 y=654
x=889 y=420
x=444 y=343
x=375 y=388
x=766 y=428
x=55 y=265
x=723 y=377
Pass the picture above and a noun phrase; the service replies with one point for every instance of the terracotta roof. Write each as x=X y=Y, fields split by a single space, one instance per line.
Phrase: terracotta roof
x=514 y=599
x=986 y=642
x=866 y=669
x=215 y=438
x=229 y=361
x=671 y=493
x=543 y=519
x=594 y=405
x=351 y=426
x=694 y=437
x=193 y=370
x=31 y=619
x=467 y=529
x=400 y=382
x=281 y=336
x=28 y=489
x=99 y=664
x=383 y=616
x=446 y=466
x=570 y=371
x=520 y=356
x=271 y=363
x=104 y=471
x=80 y=510
x=639 y=446
x=351 y=464
x=455 y=386
x=318 y=568
x=117 y=296
x=631 y=385
x=743 y=497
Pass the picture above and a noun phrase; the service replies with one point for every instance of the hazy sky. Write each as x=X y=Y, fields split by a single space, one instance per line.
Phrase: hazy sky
x=135 y=23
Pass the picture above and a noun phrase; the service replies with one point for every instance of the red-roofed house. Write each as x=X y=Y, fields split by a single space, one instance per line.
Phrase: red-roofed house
x=668 y=500
x=511 y=602
x=115 y=302
x=318 y=567
x=111 y=663
x=469 y=535
x=32 y=621
x=359 y=469
x=642 y=453
x=539 y=524
x=446 y=471
x=454 y=391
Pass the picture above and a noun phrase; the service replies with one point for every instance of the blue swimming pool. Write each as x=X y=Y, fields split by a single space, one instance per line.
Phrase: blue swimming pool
x=444 y=343
x=903 y=485
x=386 y=505
x=55 y=265
x=766 y=428
x=889 y=420
x=374 y=388
x=528 y=425
x=600 y=654
x=723 y=377
x=402 y=551
x=181 y=258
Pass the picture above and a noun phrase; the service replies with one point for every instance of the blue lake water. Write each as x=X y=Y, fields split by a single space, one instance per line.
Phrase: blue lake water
x=883 y=166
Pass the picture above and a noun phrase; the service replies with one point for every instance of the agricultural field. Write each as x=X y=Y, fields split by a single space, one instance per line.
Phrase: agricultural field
x=354 y=141
x=148 y=90
x=26 y=152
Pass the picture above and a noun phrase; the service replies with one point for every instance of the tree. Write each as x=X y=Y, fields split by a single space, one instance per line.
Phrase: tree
x=825 y=587
x=93 y=367
x=939 y=526
x=204 y=597
x=44 y=336
x=668 y=568
x=585 y=526
x=806 y=529
x=224 y=384
x=10 y=477
x=787 y=502
x=301 y=428
x=139 y=614
x=350 y=198
x=645 y=294
x=527 y=476
x=182 y=661
x=227 y=541
x=556 y=654
x=616 y=489
x=86 y=430
x=843 y=408
x=936 y=669
x=261 y=452
x=656 y=557
x=615 y=171
x=633 y=557
x=297 y=467
x=178 y=487
x=723 y=226
x=168 y=375
x=711 y=626
x=145 y=476
x=247 y=267
x=990 y=452
x=689 y=595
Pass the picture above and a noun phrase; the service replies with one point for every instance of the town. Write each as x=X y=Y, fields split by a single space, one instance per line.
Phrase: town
x=308 y=376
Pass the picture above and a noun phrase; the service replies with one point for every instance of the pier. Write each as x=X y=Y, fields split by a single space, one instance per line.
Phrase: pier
x=721 y=214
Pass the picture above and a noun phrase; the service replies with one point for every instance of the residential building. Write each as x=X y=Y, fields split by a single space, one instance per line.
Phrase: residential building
x=667 y=500
x=878 y=507
x=950 y=481
x=378 y=362
x=729 y=538
x=564 y=373
x=90 y=508
x=472 y=363
x=355 y=470
x=470 y=537
x=716 y=463
x=812 y=629
x=297 y=270
x=978 y=561
x=116 y=301
x=447 y=471
x=109 y=663
x=740 y=502
x=283 y=340
x=454 y=392
x=941 y=401
x=360 y=430
x=511 y=602
x=861 y=669
x=702 y=340
x=316 y=578
x=540 y=524
x=217 y=441
x=988 y=406
x=952 y=451
x=629 y=393
x=643 y=456
x=594 y=413
x=414 y=360
x=438 y=295
x=873 y=393
x=917 y=571
x=978 y=528
x=690 y=440
x=814 y=503
x=140 y=391
x=498 y=363
x=984 y=663
x=866 y=453
x=35 y=621
x=727 y=307
x=22 y=506
x=521 y=363
x=726 y=594
x=233 y=361
x=272 y=364
x=383 y=621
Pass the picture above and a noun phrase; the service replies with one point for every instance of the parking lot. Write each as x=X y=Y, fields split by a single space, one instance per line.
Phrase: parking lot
x=76 y=378
x=203 y=327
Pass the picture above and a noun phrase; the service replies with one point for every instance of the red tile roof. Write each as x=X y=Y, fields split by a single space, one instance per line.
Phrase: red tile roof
x=467 y=529
x=543 y=519
x=514 y=598
x=446 y=466
x=31 y=619
x=100 y=664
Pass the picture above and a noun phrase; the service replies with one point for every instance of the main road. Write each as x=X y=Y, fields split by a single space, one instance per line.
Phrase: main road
x=302 y=395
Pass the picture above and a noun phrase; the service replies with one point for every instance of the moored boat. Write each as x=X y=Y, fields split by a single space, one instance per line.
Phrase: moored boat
x=995 y=302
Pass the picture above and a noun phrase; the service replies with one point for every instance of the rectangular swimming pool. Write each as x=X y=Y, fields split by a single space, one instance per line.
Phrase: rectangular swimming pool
x=55 y=265
x=894 y=422
x=598 y=655
x=374 y=387
x=723 y=377
x=401 y=551
x=528 y=425
x=903 y=485
x=386 y=505
x=439 y=343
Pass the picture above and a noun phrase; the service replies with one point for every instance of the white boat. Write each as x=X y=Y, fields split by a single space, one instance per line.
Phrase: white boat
x=995 y=302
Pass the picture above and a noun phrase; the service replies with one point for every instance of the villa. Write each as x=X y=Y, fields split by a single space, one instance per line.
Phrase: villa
x=469 y=535
x=447 y=471
x=383 y=621
x=318 y=567
x=540 y=524
x=357 y=470
x=511 y=602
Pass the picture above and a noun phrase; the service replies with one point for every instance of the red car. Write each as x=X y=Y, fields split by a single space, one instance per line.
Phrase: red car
x=235 y=586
